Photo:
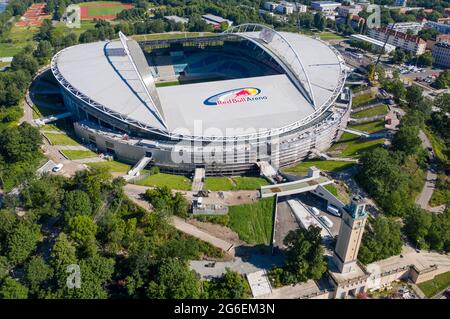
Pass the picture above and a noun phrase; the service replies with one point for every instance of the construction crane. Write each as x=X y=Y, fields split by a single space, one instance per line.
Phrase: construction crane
x=371 y=75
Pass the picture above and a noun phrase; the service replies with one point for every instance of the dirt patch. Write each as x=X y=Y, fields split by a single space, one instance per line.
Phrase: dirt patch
x=218 y=231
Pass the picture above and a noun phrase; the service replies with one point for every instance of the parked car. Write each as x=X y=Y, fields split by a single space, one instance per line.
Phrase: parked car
x=315 y=211
x=57 y=168
x=333 y=210
x=326 y=221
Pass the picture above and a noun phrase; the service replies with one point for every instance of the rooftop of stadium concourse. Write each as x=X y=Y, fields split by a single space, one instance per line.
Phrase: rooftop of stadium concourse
x=102 y=75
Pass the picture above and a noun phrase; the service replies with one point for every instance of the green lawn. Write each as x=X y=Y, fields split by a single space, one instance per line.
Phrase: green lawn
x=62 y=29
x=74 y=155
x=330 y=36
x=105 y=11
x=370 y=127
x=326 y=166
x=432 y=287
x=439 y=147
x=249 y=183
x=158 y=36
x=19 y=38
x=112 y=166
x=253 y=222
x=61 y=139
x=172 y=181
x=234 y=183
x=363 y=98
x=441 y=194
x=353 y=148
x=218 y=184
x=381 y=109
x=332 y=189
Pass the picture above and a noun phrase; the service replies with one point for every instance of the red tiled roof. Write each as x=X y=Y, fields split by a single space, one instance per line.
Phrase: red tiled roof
x=401 y=35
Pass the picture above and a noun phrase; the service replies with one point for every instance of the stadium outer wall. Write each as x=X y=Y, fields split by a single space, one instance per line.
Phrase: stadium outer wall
x=284 y=150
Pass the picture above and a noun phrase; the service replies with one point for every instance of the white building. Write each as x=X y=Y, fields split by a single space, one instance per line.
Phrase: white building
x=440 y=27
x=176 y=19
x=345 y=11
x=285 y=8
x=215 y=20
x=410 y=43
x=375 y=43
x=441 y=54
x=325 y=6
x=270 y=6
x=403 y=27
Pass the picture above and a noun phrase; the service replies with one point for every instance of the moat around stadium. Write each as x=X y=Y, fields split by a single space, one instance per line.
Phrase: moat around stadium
x=222 y=102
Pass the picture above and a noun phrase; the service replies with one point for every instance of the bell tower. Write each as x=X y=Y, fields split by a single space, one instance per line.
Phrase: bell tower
x=354 y=218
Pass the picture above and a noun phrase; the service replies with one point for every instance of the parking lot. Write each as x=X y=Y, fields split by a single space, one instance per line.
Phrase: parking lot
x=310 y=200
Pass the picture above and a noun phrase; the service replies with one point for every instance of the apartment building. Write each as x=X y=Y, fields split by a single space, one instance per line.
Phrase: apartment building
x=410 y=43
x=441 y=54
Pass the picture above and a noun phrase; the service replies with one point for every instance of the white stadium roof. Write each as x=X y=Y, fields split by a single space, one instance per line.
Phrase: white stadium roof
x=103 y=73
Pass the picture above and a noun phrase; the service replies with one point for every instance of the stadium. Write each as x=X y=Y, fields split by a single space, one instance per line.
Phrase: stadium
x=223 y=102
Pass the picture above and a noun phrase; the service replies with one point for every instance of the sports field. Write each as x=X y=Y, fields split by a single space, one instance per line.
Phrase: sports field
x=102 y=10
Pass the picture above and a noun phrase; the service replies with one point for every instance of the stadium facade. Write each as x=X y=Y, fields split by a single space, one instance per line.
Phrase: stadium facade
x=222 y=102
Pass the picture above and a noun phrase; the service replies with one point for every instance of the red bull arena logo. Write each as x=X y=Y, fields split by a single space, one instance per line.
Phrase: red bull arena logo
x=235 y=96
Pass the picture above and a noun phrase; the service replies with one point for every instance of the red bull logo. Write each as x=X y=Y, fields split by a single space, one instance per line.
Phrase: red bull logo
x=241 y=95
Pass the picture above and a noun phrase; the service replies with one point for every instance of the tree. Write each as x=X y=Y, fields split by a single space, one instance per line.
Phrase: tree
x=442 y=102
x=304 y=255
x=417 y=225
x=174 y=280
x=399 y=56
x=425 y=59
x=12 y=289
x=443 y=80
x=4 y=267
x=414 y=96
x=95 y=271
x=381 y=239
x=82 y=229
x=407 y=140
x=37 y=272
x=76 y=202
x=63 y=254
x=438 y=235
x=26 y=62
x=22 y=242
x=44 y=50
x=230 y=286
x=397 y=89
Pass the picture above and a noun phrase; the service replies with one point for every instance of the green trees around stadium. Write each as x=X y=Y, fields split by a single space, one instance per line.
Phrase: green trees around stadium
x=381 y=239
x=304 y=258
x=162 y=199
x=231 y=285
x=122 y=250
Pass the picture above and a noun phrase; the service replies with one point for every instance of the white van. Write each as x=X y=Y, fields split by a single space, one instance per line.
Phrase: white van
x=333 y=210
x=315 y=211
x=326 y=221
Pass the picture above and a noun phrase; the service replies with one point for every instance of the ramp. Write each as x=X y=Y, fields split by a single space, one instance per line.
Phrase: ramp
x=355 y=132
x=267 y=170
x=52 y=118
x=139 y=166
x=296 y=187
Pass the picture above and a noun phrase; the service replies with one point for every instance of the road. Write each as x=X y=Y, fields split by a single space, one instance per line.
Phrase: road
x=430 y=184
